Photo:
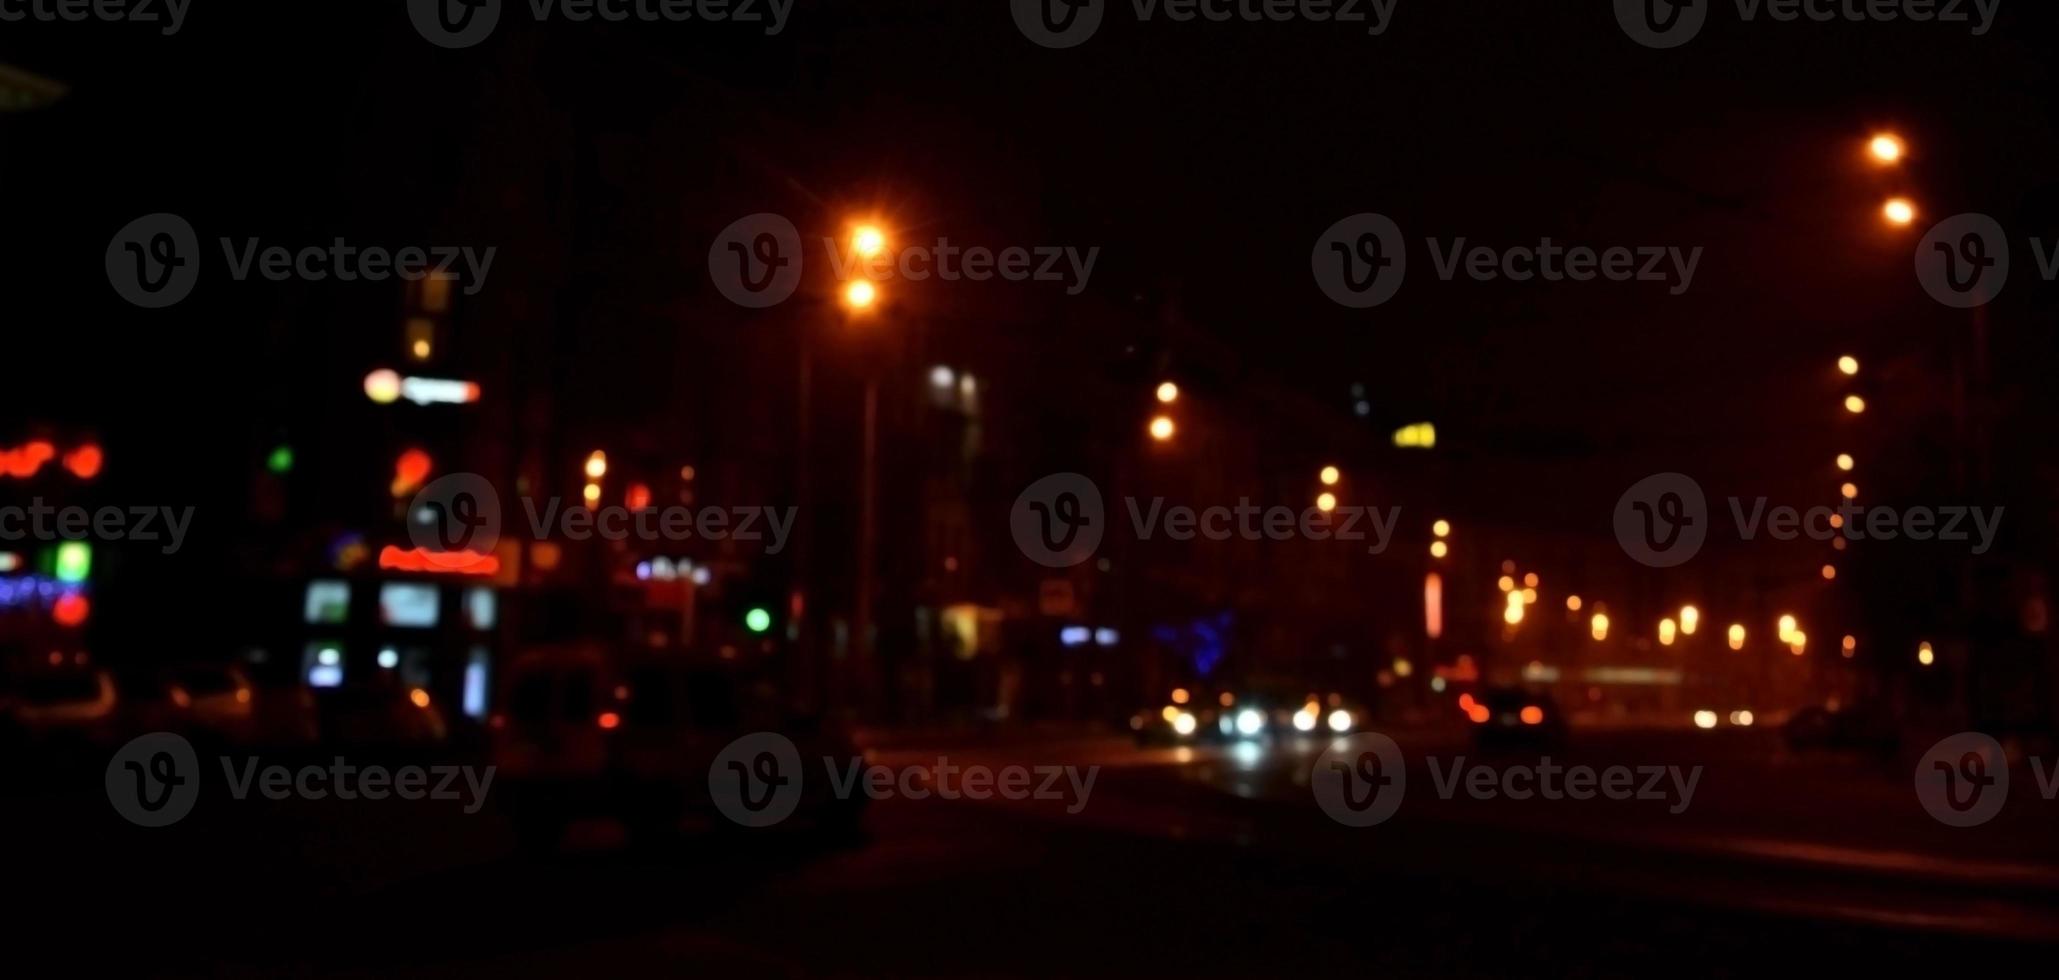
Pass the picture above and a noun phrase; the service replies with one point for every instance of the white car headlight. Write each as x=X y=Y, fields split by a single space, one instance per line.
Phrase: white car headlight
x=1250 y=721
x=1340 y=720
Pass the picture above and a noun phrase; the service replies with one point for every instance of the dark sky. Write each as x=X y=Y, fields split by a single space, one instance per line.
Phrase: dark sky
x=1204 y=159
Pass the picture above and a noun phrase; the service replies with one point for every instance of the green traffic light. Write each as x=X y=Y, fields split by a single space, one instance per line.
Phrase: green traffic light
x=280 y=461
x=758 y=619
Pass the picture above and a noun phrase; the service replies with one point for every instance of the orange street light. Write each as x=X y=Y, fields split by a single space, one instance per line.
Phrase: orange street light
x=1848 y=365
x=868 y=240
x=1168 y=392
x=1162 y=428
x=860 y=296
x=1330 y=475
x=1886 y=148
x=1899 y=211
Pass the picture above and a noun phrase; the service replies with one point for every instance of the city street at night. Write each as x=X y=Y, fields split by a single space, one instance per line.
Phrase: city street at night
x=1183 y=860
x=1146 y=488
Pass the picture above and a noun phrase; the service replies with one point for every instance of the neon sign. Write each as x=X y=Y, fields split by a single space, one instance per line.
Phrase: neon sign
x=397 y=559
x=387 y=386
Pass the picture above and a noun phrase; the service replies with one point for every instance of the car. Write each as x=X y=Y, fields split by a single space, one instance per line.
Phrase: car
x=1276 y=711
x=1508 y=718
x=63 y=704
x=54 y=724
x=1182 y=720
x=207 y=703
x=215 y=699
x=584 y=733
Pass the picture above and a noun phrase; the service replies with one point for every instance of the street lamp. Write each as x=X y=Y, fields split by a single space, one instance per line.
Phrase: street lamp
x=860 y=296
x=1885 y=148
x=1168 y=392
x=1848 y=365
x=1330 y=475
x=867 y=240
x=1326 y=502
x=1855 y=405
x=1162 y=428
x=1899 y=211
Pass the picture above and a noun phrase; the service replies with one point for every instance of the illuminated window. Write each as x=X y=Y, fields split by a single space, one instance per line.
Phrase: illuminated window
x=322 y=663
x=482 y=607
x=328 y=601
x=421 y=337
x=436 y=292
x=407 y=604
x=475 y=682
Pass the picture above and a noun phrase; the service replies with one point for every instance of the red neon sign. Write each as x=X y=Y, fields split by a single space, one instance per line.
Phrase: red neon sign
x=26 y=460
x=395 y=559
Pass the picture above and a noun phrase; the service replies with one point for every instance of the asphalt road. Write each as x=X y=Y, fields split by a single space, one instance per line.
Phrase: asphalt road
x=1196 y=862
